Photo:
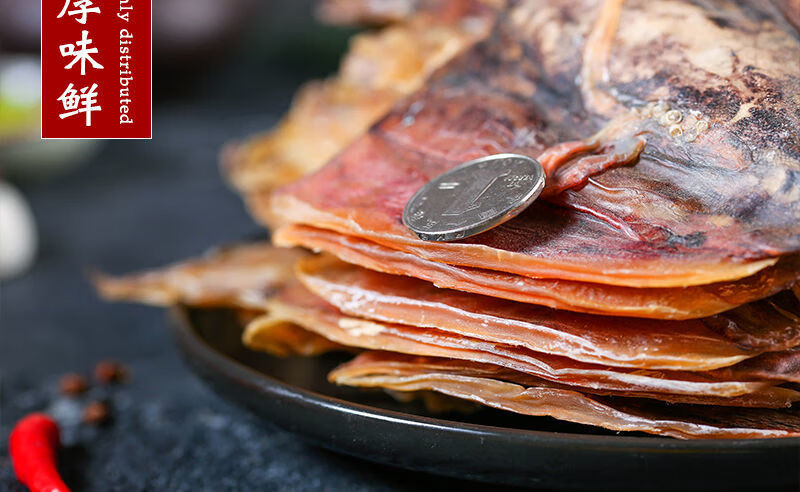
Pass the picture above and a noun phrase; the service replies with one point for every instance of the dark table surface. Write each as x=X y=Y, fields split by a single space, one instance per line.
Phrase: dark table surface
x=140 y=204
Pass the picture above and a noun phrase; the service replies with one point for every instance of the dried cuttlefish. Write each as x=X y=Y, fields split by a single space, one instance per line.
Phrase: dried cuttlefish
x=770 y=325
x=653 y=286
x=506 y=390
x=666 y=171
x=250 y=278
x=653 y=302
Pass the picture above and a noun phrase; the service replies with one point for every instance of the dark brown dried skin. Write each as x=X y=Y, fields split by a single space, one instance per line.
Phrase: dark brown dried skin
x=737 y=64
x=696 y=200
x=783 y=365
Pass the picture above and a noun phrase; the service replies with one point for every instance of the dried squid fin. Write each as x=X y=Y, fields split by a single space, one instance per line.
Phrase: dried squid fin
x=238 y=276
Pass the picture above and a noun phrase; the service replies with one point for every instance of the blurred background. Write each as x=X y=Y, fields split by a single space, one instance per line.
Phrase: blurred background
x=223 y=70
x=234 y=64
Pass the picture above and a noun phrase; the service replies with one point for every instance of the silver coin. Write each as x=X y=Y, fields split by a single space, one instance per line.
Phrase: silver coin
x=474 y=197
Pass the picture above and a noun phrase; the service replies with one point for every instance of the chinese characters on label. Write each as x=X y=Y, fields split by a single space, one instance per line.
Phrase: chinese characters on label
x=83 y=54
x=82 y=41
x=84 y=103
x=82 y=8
x=80 y=52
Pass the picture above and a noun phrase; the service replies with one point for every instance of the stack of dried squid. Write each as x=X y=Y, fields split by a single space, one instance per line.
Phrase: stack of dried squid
x=653 y=286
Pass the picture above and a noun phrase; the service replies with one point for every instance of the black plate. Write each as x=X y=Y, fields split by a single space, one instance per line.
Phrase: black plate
x=490 y=445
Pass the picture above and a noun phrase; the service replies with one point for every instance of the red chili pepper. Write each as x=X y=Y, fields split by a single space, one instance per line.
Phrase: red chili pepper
x=33 y=445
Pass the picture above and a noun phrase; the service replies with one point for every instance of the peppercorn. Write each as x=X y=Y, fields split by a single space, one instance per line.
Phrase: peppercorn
x=96 y=413
x=109 y=371
x=72 y=384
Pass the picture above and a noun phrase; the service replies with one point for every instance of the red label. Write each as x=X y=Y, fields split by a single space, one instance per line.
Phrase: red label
x=96 y=69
